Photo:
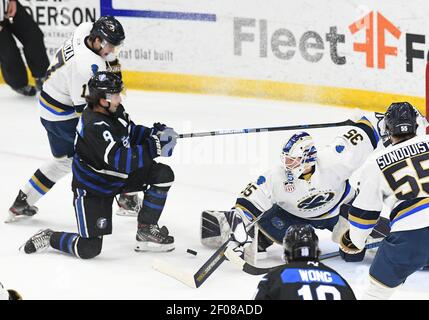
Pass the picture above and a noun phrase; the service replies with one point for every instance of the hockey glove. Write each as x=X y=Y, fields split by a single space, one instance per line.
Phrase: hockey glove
x=154 y=146
x=168 y=138
x=239 y=234
x=115 y=67
x=348 y=251
x=157 y=127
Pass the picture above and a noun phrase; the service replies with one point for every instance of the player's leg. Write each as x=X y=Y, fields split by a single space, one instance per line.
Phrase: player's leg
x=129 y=204
x=12 y=66
x=159 y=177
x=94 y=220
x=61 y=138
x=400 y=255
x=29 y=34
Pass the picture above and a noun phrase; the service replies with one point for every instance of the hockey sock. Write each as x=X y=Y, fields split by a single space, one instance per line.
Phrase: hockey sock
x=37 y=187
x=153 y=204
x=74 y=244
x=45 y=177
x=64 y=242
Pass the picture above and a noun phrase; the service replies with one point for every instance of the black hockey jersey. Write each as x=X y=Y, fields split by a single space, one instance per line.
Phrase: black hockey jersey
x=108 y=149
x=304 y=281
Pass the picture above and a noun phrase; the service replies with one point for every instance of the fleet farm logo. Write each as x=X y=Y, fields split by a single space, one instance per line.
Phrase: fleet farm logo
x=284 y=44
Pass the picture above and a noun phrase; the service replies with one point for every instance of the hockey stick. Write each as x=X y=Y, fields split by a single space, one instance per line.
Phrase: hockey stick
x=268 y=129
x=197 y=279
x=256 y=271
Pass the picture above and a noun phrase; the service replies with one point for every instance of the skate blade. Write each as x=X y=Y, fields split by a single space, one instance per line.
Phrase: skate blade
x=14 y=218
x=126 y=213
x=153 y=247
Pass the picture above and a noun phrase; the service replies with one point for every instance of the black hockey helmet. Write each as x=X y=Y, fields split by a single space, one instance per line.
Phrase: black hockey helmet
x=301 y=243
x=400 y=119
x=103 y=83
x=109 y=29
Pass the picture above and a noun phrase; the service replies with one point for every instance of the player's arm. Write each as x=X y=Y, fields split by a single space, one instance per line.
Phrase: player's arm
x=366 y=208
x=256 y=198
x=117 y=153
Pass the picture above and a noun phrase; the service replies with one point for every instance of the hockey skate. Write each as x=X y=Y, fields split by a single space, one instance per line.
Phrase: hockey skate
x=129 y=205
x=26 y=91
x=39 y=242
x=152 y=238
x=20 y=208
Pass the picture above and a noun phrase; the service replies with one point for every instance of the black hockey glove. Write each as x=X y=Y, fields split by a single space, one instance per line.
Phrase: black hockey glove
x=115 y=67
x=348 y=251
x=154 y=146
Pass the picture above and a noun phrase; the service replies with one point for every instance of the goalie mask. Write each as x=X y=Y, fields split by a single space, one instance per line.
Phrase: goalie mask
x=298 y=153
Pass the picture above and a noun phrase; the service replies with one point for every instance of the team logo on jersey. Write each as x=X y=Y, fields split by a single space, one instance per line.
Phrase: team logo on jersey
x=101 y=223
x=315 y=201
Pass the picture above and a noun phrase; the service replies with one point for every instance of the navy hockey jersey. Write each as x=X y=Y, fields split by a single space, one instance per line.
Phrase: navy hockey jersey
x=307 y=280
x=108 y=149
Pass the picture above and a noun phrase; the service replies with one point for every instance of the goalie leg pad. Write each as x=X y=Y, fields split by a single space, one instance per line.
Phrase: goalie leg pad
x=215 y=228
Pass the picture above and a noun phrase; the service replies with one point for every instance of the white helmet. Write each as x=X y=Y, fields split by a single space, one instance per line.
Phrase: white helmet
x=298 y=153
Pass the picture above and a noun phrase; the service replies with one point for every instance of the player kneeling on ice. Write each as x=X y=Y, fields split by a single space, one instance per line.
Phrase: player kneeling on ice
x=303 y=277
x=310 y=186
x=113 y=155
x=397 y=178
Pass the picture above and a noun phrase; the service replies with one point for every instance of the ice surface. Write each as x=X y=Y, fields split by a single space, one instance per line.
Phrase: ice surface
x=210 y=172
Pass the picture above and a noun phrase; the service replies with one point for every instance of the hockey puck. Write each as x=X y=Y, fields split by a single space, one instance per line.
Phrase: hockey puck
x=191 y=252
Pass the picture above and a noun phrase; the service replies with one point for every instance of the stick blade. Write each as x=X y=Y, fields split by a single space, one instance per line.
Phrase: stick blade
x=169 y=270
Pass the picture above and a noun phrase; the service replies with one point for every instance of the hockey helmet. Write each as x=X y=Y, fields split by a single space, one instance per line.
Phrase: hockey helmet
x=300 y=243
x=298 y=153
x=400 y=119
x=109 y=29
x=102 y=84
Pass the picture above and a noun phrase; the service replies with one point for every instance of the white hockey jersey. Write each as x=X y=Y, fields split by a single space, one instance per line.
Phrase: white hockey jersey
x=397 y=176
x=63 y=94
x=320 y=196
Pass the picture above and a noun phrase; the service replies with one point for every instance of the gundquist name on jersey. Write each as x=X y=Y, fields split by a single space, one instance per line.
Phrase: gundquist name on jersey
x=402 y=153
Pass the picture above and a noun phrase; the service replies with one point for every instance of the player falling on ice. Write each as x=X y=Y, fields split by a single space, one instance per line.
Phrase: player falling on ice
x=93 y=47
x=113 y=155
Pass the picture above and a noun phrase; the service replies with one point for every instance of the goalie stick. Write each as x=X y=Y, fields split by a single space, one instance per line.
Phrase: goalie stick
x=197 y=279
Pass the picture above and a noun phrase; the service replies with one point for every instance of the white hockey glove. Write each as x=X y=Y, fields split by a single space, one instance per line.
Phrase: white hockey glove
x=168 y=138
